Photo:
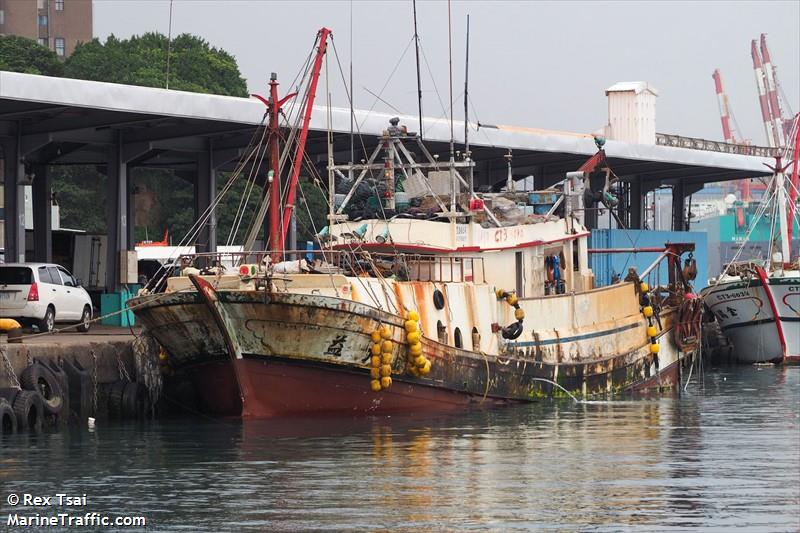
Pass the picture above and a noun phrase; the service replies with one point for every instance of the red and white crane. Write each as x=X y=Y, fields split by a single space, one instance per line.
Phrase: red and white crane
x=771 y=79
x=725 y=113
x=763 y=99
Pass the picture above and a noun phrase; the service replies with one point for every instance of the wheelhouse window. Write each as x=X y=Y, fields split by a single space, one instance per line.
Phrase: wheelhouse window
x=441 y=332
x=457 y=337
x=476 y=340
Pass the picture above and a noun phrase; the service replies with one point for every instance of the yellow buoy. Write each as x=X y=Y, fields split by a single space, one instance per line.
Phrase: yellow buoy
x=413 y=337
x=425 y=369
x=519 y=314
x=386 y=346
x=376 y=349
x=386 y=332
x=375 y=385
x=419 y=361
x=411 y=325
x=376 y=336
x=647 y=311
x=386 y=358
x=386 y=382
x=500 y=293
x=375 y=373
x=651 y=331
x=162 y=355
x=413 y=315
x=511 y=299
x=415 y=349
x=386 y=370
x=644 y=287
x=376 y=361
x=654 y=348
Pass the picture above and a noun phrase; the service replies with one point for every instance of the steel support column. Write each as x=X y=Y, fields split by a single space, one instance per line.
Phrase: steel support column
x=117 y=206
x=14 y=194
x=205 y=194
x=42 y=214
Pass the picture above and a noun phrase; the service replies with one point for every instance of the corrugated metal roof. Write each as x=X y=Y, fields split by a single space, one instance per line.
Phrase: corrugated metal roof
x=635 y=86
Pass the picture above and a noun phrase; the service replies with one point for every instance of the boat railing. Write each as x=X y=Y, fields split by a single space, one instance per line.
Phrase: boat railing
x=406 y=267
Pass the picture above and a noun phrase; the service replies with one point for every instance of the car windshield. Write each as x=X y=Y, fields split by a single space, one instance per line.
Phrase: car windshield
x=12 y=275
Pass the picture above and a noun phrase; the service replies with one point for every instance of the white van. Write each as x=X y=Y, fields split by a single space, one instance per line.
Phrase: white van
x=43 y=294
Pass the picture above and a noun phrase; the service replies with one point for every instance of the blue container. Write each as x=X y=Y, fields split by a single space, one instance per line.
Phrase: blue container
x=606 y=266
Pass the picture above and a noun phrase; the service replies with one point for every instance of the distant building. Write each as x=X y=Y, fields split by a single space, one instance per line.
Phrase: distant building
x=57 y=24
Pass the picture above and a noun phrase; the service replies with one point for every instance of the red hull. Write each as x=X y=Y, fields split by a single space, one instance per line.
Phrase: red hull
x=278 y=388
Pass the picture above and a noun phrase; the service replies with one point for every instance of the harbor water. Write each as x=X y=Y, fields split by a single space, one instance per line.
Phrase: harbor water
x=725 y=454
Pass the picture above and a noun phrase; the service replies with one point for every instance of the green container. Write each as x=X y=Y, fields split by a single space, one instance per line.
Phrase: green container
x=111 y=304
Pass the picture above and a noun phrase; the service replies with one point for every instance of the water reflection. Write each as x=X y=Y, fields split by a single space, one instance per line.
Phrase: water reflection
x=721 y=455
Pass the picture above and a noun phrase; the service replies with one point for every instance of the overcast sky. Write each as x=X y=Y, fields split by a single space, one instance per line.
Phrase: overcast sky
x=533 y=64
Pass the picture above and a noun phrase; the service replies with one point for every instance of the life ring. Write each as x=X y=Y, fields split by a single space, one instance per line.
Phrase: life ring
x=28 y=408
x=438 y=299
x=41 y=379
x=8 y=420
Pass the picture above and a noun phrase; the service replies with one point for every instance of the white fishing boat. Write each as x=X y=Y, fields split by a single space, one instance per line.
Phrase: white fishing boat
x=464 y=300
x=757 y=303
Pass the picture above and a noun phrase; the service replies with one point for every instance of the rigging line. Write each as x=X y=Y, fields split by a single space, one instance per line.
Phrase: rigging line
x=352 y=112
x=245 y=201
x=433 y=80
x=388 y=80
x=197 y=226
x=478 y=123
x=419 y=79
x=251 y=179
x=350 y=99
x=169 y=44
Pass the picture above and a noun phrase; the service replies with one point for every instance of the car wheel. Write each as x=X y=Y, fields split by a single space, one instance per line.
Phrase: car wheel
x=48 y=323
x=86 y=320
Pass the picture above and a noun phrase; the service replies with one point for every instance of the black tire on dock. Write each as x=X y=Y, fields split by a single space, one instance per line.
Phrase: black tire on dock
x=63 y=380
x=41 y=379
x=80 y=388
x=8 y=420
x=115 y=395
x=9 y=393
x=135 y=401
x=28 y=406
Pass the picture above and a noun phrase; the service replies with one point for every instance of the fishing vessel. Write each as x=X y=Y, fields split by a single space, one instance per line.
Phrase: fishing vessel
x=757 y=302
x=451 y=301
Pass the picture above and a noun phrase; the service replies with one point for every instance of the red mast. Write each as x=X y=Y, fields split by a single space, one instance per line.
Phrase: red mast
x=274 y=159
x=322 y=38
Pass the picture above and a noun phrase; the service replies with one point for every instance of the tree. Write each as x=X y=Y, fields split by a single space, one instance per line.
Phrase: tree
x=195 y=66
x=142 y=60
x=19 y=54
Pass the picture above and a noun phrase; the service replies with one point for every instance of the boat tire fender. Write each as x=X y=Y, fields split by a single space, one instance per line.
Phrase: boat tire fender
x=28 y=407
x=37 y=377
x=512 y=331
x=438 y=299
x=8 y=420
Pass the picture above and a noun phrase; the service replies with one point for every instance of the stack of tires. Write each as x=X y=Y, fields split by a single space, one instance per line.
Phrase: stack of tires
x=41 y=397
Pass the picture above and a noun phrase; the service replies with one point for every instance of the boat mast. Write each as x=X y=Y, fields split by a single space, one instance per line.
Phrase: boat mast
x=322 y=39
x=453 y=186
x=467 y=153
x=419 y=79
x=274 y=160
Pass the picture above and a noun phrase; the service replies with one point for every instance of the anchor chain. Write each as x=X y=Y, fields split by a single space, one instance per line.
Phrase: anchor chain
x=123 y=372
x=94 y=382
x=12 y=376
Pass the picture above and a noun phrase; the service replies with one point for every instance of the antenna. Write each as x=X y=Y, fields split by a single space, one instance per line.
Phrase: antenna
x=169 y=42
x=352 y=95
x=419 y=79
x=466 y=111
